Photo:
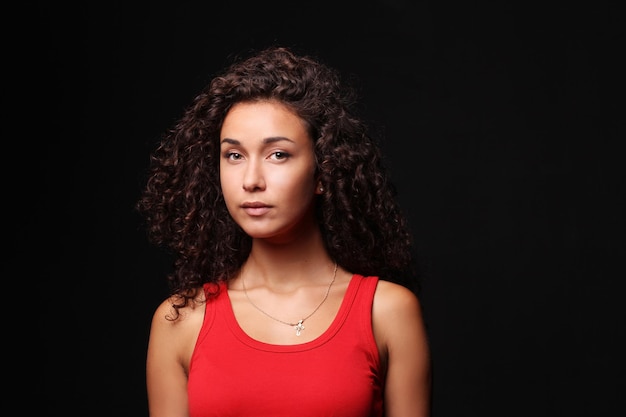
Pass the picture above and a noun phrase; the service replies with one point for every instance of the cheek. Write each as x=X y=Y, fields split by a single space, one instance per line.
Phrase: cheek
x=298 y=185
x=297 y=193
x=229 y=185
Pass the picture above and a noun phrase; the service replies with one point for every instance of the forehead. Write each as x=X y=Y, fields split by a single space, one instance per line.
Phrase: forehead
x=259 y=120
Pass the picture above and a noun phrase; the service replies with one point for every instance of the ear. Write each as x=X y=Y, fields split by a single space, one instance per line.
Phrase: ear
x=319 y=188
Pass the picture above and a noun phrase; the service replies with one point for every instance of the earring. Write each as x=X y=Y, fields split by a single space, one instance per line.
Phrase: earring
x=321 y=189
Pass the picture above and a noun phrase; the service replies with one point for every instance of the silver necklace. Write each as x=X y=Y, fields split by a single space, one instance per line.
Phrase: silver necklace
x=299 y=326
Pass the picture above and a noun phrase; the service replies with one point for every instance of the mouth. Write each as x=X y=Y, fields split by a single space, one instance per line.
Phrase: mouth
x=254 y=205
x=255 y=208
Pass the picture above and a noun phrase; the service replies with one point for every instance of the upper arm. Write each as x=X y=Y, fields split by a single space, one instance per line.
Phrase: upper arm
x=401 y=334
x=169 y=350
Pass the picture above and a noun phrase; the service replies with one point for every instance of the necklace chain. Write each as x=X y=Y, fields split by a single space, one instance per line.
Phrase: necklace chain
x=299 y=325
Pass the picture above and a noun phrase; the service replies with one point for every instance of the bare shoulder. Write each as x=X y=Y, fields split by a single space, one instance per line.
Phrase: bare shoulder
x=396 y=316
x=403 y=347
x=170 y=348
x=167 y=320
x=392 y=298
x=165 y=310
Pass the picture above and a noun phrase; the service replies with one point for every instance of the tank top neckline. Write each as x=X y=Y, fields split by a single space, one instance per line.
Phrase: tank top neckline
x=228 y=314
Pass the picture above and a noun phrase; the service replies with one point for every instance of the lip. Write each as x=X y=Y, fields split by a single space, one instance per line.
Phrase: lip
x=255 y=208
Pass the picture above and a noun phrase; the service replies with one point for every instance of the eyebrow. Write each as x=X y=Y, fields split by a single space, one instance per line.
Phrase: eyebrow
x=272 y=139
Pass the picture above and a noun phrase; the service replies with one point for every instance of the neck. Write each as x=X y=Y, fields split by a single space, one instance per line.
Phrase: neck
x=299 y=259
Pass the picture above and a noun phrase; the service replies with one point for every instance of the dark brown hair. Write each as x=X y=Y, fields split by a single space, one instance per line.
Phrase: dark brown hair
x=182 y=203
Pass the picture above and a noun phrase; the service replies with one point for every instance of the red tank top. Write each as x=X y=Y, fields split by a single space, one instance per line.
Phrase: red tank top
x=337 y=374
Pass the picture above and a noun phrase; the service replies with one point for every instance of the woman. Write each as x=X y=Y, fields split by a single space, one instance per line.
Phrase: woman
x=289 y=294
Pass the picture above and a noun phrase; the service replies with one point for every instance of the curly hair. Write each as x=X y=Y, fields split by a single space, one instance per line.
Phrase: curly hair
x=183 y=207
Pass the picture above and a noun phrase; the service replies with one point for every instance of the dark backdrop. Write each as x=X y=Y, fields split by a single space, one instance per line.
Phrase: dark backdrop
x=502 y=122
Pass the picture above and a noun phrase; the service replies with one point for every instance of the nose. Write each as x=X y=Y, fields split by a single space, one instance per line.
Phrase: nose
x=253 y=179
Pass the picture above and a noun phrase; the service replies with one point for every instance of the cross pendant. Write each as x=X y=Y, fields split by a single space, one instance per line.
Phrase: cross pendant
x=299 y=327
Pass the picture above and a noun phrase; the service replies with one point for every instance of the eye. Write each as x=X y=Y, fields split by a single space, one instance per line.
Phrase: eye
x=278 y=155
x=233 y=156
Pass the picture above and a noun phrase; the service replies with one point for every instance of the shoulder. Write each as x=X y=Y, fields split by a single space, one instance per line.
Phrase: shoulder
x=392 y=298
x=403 y=348
x=167 y=320
x=396 y=313
x=170 y=348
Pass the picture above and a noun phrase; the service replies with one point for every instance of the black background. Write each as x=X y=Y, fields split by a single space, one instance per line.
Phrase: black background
x=502 y=124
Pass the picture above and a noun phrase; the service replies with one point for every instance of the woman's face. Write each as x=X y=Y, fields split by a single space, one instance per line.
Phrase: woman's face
x=267 y=170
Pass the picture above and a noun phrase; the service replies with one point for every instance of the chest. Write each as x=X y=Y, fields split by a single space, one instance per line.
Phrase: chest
x=324 y=381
